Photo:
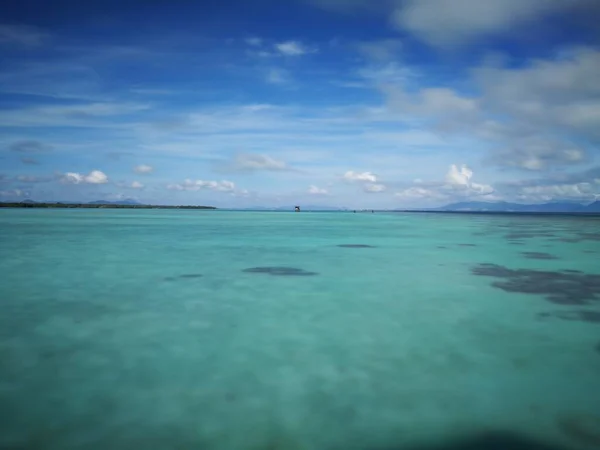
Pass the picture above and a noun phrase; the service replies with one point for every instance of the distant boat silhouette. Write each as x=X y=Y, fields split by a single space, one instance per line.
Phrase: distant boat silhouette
x=296 y=208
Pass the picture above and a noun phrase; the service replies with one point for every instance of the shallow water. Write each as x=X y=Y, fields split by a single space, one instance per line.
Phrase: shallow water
x=166 y=329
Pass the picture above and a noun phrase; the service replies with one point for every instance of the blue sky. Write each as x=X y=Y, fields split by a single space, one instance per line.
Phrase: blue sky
x=356 y=103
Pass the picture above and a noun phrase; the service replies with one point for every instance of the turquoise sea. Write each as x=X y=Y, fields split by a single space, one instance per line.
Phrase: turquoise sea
x=166 y=329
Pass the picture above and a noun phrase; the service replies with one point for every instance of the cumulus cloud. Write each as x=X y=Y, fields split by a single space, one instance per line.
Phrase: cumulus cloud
x=292 y=48
x=460 y=178
x=94 y=177
x=539 y=115
x=448 y=23
x=197 y=185
x=143 y=169
x=360 y=177
x=420 y=193
x=137 y=185
x=559 y=93
x=458 y=184
x=257 y=162
x=314 y=190
x=373 y=188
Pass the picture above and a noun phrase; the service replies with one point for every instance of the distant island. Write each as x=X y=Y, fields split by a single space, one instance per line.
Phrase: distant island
x=123 y=204
x=506 y=207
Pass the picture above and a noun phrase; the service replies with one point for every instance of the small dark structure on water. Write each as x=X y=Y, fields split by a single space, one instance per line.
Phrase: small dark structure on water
x=296 y=208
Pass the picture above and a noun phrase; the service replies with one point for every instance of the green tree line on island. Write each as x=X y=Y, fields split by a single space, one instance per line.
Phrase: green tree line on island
x=96 y=205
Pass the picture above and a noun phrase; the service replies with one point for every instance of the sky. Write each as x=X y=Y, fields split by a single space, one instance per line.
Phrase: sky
x=345 y=103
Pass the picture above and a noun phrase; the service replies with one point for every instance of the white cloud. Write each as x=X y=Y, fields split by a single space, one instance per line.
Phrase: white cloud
x=536 y=154
x=196 y=185
x=277 y=76
x=452 y=22
x=360 y=176
x=254 y=41
x=143 y=169
x=419 y=193
x=14 y=193
x=575 y=191
x=432 y=104
x=88 y=115
x=541 y=114
x=292 y=48
x=136 y=185
x=560 y=93
x=32 y=179
x=256 y=162
x=460 y=178
x=94 y=177
x=374 y=188
x=314 y=190
x=458 y=185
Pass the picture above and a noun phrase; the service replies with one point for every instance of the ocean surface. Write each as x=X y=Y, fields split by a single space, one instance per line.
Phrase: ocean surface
x=165 y=329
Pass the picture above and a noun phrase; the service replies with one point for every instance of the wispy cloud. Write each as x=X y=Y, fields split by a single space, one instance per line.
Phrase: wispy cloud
x=22 y=35
x=254 y=41
x=315 y=190
x=143 y=169
x=94 y=177
x=278 y=76
x=14 y=193
x=257 y=162
x=30 y=161
x=197 y=185
x=360 y=176
x=293 y=48
x=33 y=178
x=29 y=146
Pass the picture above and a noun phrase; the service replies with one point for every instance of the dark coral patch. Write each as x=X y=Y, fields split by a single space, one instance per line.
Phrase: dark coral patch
x=538 y=255
x=280 y=271
x=355 y=246
x=582 y=428
x=565 y=288
x=186 y=275
x=578 y=316
x=467 y=245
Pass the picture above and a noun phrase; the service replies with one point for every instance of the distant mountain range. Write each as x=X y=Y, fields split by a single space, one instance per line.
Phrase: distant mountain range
x=552 y=207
